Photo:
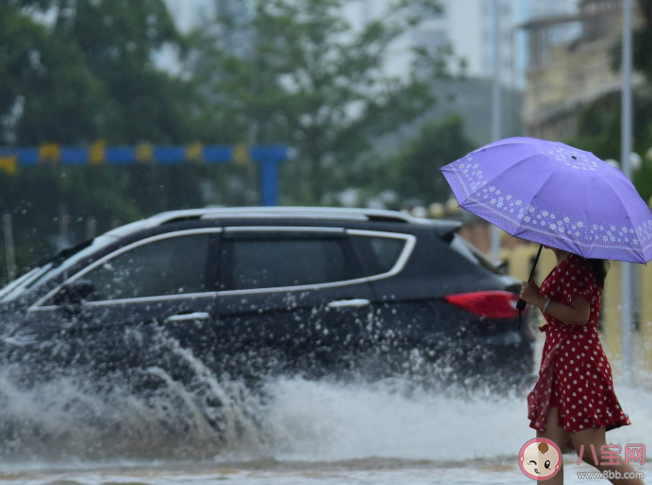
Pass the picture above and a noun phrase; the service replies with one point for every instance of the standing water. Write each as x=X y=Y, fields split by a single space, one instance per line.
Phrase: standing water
x=290 y=431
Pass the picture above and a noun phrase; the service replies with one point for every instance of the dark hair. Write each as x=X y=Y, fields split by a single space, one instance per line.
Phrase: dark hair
x=600 y=268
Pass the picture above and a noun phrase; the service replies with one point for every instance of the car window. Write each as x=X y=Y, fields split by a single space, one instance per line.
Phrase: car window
x=171 y=266
x=56 y=266
x=378 y=254
x=285 y=262
x=20 y=282
x=472 y=254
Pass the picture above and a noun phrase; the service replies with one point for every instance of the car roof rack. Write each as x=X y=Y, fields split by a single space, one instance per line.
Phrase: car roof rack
x=376 y=215
x=313 y=212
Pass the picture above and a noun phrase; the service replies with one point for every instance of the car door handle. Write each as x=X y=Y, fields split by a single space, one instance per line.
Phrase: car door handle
x=188 y=317
x=353 y=303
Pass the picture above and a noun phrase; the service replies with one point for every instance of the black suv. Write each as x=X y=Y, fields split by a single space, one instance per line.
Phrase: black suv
x=253 y=291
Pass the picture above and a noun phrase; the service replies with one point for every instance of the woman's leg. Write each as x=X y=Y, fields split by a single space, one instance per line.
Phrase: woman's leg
x=557 y=435
x=596 y=436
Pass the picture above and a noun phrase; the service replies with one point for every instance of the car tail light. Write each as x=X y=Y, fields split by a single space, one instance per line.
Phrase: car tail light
x=490 y=304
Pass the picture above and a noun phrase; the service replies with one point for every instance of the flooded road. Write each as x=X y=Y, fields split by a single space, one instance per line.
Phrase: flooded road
x=370 y=471
x=319 y=432
x=69 y=430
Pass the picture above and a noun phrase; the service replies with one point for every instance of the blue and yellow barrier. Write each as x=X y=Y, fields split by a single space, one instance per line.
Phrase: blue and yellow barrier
x=268 y=157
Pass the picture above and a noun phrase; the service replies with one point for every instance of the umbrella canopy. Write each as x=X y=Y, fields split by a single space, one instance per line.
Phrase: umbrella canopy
x=557 y=195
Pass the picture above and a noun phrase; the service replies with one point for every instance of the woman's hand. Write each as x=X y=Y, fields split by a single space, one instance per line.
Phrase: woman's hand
x=530 y=294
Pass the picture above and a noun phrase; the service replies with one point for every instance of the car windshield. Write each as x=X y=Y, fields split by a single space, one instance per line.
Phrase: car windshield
x=24 y=279
x=473 y=254
x=51 y=267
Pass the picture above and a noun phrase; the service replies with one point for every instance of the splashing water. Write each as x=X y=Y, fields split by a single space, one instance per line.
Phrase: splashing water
x=289 y=426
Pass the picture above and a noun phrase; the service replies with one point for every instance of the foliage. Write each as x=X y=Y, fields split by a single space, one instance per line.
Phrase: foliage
x=311 y=80
x=78 y=71
x=75 y=72
x=89 y=74
x=45 y=81
x=414 y=171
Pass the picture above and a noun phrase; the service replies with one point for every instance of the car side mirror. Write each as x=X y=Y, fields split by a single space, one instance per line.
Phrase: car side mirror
x=74 y=293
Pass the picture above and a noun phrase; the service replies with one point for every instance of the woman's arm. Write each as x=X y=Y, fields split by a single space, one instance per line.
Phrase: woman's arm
x=575 y=313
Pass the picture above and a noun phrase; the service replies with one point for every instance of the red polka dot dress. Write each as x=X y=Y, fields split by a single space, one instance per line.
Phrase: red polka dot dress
x=575 y=375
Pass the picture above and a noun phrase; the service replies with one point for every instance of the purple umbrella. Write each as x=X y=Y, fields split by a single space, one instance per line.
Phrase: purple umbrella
x=554 y=194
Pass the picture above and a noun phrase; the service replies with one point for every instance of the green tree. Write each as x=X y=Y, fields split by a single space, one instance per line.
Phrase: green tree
x=88 y=73
x=48 y=92
x=413 y=172
x=91 y=73
x=311 y=80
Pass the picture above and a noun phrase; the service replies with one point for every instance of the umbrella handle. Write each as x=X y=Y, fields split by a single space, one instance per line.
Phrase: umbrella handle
x=520 y=305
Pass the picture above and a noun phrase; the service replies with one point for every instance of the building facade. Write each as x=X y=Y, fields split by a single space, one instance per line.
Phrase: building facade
x=570 y=66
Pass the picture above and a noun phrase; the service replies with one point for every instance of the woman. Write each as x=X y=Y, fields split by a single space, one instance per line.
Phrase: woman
x=574 y=403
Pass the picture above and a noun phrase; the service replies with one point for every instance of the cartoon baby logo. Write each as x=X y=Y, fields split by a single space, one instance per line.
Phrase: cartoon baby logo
x=540 y=459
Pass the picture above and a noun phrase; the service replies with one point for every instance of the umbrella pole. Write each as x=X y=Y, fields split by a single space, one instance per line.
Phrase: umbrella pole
x=521 y=303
